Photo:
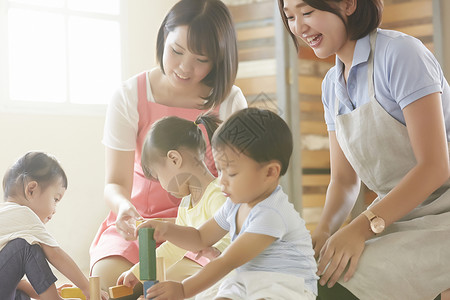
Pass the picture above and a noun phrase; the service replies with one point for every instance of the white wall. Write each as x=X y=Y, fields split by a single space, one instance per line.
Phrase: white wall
x=76 y=140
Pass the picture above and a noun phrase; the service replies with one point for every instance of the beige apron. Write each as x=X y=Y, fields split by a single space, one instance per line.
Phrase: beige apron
x=411 y=260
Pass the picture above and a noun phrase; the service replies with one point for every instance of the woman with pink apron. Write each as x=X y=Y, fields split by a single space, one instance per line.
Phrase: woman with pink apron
x=196 y=73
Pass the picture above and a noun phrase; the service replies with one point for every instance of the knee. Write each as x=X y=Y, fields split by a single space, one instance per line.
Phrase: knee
x=19 y=246
x=109 y=269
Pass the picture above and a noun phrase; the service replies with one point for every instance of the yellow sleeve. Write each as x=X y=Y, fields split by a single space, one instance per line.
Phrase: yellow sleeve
x=169 y=251
x=135 y=270
x=214 y=201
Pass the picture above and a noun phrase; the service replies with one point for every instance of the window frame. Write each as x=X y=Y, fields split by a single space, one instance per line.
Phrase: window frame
x=9 y=105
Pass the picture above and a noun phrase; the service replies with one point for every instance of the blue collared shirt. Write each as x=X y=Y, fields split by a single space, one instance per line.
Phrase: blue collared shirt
x=291 y=252
x=404 y=71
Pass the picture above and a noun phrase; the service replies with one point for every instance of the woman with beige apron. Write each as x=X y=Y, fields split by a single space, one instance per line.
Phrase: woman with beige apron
x=399 y=248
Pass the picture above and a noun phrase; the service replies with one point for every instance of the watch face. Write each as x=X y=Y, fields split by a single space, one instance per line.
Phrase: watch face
x=377 y=225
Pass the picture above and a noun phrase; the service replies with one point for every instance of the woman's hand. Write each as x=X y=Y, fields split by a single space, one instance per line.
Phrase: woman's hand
x=168 y=290
x=341 y=249
x=319 y=237
x=127 y=216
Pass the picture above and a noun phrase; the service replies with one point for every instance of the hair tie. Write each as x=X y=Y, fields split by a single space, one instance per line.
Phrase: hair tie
x=195 y=123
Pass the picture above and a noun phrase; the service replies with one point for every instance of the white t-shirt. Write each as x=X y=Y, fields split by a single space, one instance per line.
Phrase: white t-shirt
x=122 y=117
x=18 y=221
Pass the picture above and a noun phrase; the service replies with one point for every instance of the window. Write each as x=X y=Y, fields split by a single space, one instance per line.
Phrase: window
x=60 y=53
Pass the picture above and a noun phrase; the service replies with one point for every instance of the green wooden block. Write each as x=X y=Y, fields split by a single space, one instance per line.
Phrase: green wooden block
x=147 y=254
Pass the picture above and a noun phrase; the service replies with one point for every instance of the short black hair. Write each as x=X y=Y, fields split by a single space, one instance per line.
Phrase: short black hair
x=365 y=19
x=257 y=133
x=33 y=166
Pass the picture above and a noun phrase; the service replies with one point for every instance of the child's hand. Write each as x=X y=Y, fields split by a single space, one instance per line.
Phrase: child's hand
x=127 y=278
x=105 y=295
x=160 y=227
x=210 y=253
x=66 y=285
x=169 y=290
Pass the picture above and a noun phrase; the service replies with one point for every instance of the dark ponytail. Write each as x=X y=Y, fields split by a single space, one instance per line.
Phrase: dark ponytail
x=173 y=133
x=210 y=121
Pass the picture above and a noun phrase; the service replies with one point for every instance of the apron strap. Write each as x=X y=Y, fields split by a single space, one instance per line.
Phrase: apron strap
x=142 y=87
x=373 y=39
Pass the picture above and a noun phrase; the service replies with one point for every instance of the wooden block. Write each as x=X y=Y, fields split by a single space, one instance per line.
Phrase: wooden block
x=72 y=292
x=147 y=254
x=94 y=288
x=120 y=291
x=149 y=284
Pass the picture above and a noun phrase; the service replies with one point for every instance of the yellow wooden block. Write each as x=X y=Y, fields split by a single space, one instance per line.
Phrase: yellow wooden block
x=139 y=222
x=94 y=288
x=72 y=292
x=120 y=291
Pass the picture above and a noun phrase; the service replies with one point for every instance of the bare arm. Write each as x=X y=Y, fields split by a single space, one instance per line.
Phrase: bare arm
x=242 y=250
x=426 y=130
x=65 y=264
x=341 y=195
x=187 y=238
x=118 y=186
x=26 y=287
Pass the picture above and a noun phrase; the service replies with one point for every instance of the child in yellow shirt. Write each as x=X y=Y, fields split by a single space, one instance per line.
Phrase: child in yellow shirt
x=173 y=154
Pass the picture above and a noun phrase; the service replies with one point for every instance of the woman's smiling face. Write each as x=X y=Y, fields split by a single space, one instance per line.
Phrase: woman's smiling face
x=180 y=65
x=323 y=31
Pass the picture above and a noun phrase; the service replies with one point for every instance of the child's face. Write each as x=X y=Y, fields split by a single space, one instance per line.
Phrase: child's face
x=43 y=202
x=180 y=65
x=323 y=31
x=168 y=174
x=241 y=178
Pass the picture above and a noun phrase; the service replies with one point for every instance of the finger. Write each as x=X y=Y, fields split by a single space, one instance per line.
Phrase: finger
x=154 y=291
x=330 y=268
x=324 y=259
x=317 y=251
x=352 y=267
x=339 y=270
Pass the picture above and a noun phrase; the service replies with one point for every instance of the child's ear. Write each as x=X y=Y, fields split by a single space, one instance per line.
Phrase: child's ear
x=273 y=169
x=175 y=157
x=30 y=188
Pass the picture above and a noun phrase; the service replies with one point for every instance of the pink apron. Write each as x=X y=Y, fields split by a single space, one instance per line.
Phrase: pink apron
x=149 y=198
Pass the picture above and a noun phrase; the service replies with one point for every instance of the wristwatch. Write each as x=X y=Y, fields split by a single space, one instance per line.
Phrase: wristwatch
x=377 y=224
